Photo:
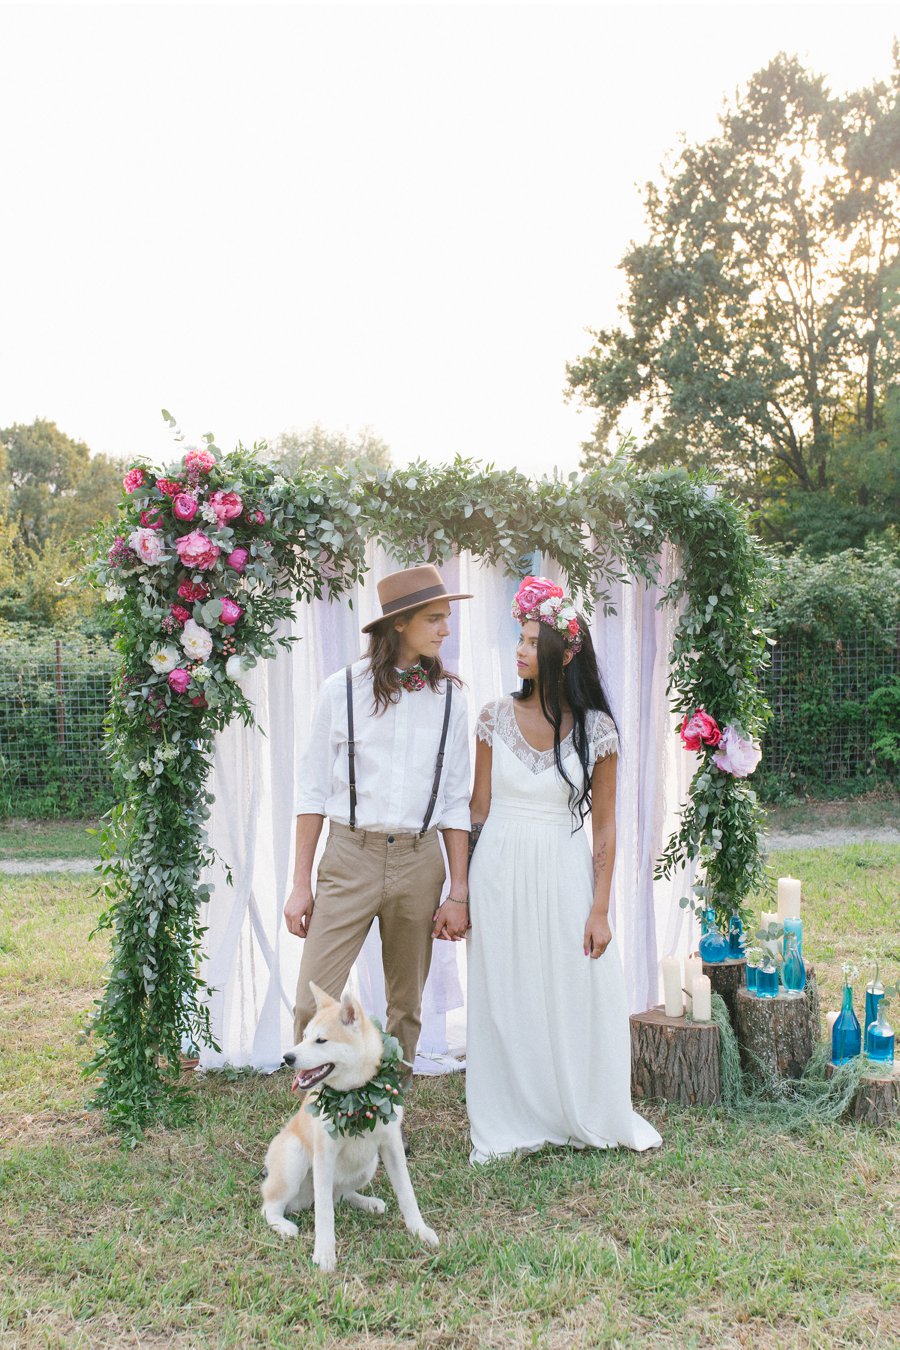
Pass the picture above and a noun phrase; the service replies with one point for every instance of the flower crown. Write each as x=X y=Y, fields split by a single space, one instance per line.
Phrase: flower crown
x=539 y=599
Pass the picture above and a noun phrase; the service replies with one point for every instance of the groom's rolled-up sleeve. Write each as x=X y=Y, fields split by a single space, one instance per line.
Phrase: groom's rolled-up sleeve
x=457 y=777
x=315 y=766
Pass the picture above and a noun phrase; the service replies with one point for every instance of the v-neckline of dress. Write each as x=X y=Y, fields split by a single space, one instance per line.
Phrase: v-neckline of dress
x=527 y=743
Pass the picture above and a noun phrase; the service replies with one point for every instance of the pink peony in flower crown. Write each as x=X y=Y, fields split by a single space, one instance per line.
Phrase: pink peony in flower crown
x=540 y=599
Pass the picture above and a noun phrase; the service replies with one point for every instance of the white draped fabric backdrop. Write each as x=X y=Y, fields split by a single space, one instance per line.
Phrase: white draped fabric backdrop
x=249 y=958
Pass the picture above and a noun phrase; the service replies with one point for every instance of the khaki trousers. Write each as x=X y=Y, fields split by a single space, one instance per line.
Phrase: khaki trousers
x=363 y=876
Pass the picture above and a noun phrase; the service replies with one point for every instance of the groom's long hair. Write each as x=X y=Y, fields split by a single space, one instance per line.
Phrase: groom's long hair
x=384 y=648
x=580 y=682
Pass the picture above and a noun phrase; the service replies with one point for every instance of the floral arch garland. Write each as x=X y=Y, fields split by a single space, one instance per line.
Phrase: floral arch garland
x=213 y=553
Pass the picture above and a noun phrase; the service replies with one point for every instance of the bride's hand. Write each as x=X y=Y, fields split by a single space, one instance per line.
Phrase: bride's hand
x=597 y=935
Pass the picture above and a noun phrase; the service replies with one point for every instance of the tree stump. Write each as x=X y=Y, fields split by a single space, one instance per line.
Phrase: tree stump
x=674 y=1059
x=778 y=1035
x=726 y=978
x=877 y=1099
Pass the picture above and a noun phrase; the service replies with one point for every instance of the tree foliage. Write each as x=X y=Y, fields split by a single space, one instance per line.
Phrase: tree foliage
x=318 y=448
x=761 y=324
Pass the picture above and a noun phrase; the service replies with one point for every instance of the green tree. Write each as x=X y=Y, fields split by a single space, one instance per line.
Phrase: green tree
x=316 y=446
x=762 y=313
x=53 y=492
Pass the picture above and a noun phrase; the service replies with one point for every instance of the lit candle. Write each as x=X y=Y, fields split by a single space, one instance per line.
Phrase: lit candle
x=788 y=898
x=671 y=974
x=693 y=967
x=701 y=991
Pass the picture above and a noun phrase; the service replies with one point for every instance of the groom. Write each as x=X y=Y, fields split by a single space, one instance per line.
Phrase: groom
x=388 y=764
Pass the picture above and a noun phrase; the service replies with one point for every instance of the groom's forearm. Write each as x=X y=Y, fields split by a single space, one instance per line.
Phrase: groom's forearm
x=456 y=842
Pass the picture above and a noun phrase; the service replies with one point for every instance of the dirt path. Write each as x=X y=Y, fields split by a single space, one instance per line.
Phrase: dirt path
x=834 y=837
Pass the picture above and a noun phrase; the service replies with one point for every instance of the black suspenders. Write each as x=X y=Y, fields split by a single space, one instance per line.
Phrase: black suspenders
x=439 y=762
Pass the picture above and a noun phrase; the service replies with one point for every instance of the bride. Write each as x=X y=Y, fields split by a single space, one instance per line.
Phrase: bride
x=549 y=1057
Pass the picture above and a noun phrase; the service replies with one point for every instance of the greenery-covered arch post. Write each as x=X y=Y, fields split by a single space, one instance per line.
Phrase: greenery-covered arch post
x=211 y=557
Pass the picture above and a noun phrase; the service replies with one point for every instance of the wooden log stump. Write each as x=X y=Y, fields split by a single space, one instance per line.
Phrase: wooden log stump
x=674 y=1059
x=778 y=1035
x=726 y=978
x=877 y=1099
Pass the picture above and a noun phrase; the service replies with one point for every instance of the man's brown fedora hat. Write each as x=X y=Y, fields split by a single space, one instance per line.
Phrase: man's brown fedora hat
x=401 y=592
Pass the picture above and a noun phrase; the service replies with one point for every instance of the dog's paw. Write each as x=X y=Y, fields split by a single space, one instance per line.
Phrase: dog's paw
x=284 y=1227
x=427 y=1235
x=369 y=1204
x=325 y=1258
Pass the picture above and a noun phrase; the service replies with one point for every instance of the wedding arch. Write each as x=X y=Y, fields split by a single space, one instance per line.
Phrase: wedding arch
x=210 y=561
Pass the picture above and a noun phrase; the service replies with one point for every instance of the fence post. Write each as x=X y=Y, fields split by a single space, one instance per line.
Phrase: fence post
x=60 y=705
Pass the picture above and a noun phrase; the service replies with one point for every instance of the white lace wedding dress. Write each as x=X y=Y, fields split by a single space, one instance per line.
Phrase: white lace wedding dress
x=548 y=1043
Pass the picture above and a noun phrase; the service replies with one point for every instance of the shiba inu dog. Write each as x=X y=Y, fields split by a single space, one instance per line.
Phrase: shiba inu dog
x=313 y=1160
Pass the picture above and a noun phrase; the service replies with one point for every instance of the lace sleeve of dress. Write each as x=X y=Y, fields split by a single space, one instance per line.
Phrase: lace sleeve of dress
x=603 y=737
x=484 y=727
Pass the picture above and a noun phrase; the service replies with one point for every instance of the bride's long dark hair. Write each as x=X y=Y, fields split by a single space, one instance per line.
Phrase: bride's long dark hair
x=580 y=682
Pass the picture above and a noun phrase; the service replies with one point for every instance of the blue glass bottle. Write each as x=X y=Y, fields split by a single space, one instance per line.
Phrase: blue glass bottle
x=751 y=973
x=846 y=1037
x=713 y=947
x=767 y=978
x=735 y=937
x=793 y=974
x=874 y=995
x=794 y=926
x=880 y=1039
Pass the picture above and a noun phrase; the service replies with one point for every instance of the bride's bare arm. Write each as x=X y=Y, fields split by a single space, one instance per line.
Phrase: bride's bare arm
x=597 y=933
x=480 y=803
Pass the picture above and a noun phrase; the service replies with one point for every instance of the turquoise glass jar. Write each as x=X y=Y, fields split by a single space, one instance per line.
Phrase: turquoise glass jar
x=793 y=973
x=874 y=995
x=767 y=979
x=880 y=1039
x=713 y=947
x=846 y=1037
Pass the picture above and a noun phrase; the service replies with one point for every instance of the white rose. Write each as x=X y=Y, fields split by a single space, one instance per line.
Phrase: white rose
x=164 y=659
x=196 y=641
x=234 y=667
x=547 y=608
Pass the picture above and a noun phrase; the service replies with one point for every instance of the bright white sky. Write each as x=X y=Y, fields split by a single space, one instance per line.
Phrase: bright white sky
x=397 y=215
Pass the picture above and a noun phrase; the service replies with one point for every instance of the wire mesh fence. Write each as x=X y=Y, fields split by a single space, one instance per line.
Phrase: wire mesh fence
x=835 y=714
x=835 y=717
x=53 y=699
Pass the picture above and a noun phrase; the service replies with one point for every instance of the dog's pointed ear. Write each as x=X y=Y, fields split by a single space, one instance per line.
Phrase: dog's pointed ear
x=322 y=999
x=351 y=1012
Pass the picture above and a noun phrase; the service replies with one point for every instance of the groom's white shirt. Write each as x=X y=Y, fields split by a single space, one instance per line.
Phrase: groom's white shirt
x=395 y=758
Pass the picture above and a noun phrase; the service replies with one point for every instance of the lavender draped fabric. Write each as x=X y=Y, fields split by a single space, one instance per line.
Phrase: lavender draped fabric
x=250 y=959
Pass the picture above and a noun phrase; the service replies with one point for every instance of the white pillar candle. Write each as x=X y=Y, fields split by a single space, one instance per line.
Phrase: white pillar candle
x=671 y=974
x=788 y=898
x=701 y=991
x=767 y=918
x=693 y=966
x=831 y=1018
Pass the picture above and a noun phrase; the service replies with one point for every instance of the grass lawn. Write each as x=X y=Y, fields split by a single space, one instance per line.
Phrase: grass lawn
x=28 y=839
x=727 y=1236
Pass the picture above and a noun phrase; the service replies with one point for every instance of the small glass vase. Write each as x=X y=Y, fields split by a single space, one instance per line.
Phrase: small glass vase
x=735 y=937
x=846 y=1037
x=793 y=973
x=713 y=947
x=874 y=995
x=767 y=978
x=880 y=1039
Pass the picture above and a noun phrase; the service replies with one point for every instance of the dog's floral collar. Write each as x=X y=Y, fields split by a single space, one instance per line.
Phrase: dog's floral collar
x=359 y=1110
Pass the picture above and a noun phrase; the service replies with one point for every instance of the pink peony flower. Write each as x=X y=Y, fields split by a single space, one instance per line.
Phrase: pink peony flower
x=152 y=519
x=533 y=592
x=148 y=545
x=133 y=479
x=184 y=506
x=227 y=505
x=237 y=559
x=179 y=679
x=736 y=754
x=203 y=460
x=699 y=729
x=192 y=590
x=179 y=613
x=231 y=611
x=255 y=517
x=199 y=701
x=169 y=487
x=197 y=551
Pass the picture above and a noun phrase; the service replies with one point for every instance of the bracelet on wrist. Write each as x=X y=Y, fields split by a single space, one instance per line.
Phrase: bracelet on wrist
x=454 y=900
